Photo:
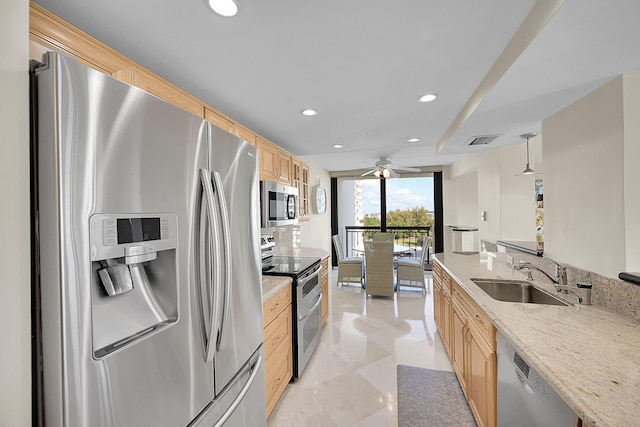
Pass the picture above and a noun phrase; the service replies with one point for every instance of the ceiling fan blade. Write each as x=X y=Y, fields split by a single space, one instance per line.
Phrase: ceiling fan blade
x=392 y=173
x=370 y=172
x=403 y=168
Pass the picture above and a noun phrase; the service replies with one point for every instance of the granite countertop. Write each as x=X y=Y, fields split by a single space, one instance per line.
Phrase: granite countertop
x=271 y=285
x=588 y=354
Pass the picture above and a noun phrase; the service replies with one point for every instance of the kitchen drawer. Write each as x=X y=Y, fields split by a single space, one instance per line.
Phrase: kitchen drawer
x=274 y=305
x=442 y=277
x=278 y=375
x=277 y=334
x=476 y=315
x=437 y=270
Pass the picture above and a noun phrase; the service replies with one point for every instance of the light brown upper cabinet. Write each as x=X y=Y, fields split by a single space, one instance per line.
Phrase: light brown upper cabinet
x=284 y=169
x=245 y=134
x=276 y=165
x=300 y=180
x=161 y=88
x=268 y=164
x=229 y=125
x=305 y=206
x=47 y=32
x=52 y=33
x=219 y=121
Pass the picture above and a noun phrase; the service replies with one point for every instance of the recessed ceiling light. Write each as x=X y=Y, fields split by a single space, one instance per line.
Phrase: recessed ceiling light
x=428 y=97
x=224 y=7
x=413 y=139
x=338 y=146
x=309 y=112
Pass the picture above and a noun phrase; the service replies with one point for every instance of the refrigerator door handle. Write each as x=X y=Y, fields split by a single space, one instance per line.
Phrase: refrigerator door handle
x=245 y=389
x=226 y=238
x=214 y=285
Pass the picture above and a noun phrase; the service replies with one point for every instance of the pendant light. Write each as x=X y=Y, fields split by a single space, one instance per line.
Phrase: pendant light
x=527 y=170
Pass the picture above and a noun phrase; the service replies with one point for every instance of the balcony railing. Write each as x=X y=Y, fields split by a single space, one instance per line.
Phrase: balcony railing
x=410 y=236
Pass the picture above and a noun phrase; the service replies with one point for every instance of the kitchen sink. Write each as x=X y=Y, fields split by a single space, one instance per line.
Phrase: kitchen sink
x=516 y=291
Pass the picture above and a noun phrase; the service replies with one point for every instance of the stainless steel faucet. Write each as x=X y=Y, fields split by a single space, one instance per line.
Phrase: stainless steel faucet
x=559 y=279
x=583 y=292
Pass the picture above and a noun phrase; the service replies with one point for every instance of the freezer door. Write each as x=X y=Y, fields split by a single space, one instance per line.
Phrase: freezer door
x=111 y=152
x=241 y=402
x=233 y=164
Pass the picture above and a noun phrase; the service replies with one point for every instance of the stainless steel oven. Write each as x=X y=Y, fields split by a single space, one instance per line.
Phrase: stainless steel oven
x=306 y=303
x=308 y=316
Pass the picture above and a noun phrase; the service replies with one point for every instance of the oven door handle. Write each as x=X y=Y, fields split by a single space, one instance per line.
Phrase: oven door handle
x=311 y=276
x=303 y=316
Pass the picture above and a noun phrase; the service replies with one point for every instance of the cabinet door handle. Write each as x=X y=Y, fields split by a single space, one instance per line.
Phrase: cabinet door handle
x=275 y=306
x=276 y=341
x=277 y=383
x=479 y=319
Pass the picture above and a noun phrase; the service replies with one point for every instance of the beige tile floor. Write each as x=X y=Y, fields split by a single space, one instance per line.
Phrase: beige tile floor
x=351 y=378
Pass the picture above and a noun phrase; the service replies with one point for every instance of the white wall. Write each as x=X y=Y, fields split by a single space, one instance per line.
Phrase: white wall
x=517 y=203
x=316 y=233
x=631 y=105
x=15 y=303
x=489 y=196
x=460 y=198
x=583 y=149
x=491 y=183
x=467 y=199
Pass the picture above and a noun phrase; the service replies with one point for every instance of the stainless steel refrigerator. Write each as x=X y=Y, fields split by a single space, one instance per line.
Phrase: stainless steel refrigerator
x=147 y=294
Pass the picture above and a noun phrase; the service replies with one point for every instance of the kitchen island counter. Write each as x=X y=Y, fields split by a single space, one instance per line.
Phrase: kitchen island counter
x=588 y=354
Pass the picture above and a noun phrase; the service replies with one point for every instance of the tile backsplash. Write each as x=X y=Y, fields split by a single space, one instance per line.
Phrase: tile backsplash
x=286 y=238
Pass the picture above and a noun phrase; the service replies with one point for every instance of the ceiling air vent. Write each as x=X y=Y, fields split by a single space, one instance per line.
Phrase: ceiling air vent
x=481 y=140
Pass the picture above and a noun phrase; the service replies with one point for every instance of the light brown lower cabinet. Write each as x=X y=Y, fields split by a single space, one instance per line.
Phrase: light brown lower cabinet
x=324 y=281
x=442 y=305
x=278 y=349
x=470 y=339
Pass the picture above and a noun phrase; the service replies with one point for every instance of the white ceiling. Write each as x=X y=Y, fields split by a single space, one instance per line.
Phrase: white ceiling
x=363 y=64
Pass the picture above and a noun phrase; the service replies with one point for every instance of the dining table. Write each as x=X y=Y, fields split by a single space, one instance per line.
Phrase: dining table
x=397 y=249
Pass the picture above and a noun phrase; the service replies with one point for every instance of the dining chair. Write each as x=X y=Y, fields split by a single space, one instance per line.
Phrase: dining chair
x=411 y=271
x=384 y=237
x=350 y=269
x=379 y=268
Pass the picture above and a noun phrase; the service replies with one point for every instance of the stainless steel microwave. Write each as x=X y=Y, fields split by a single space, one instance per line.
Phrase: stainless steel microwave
x=279 y=204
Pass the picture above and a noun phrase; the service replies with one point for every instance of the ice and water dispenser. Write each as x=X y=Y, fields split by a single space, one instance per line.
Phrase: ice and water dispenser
x=134 y=289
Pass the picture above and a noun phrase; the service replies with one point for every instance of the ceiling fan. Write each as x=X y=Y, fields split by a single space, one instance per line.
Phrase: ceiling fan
x=385 y=169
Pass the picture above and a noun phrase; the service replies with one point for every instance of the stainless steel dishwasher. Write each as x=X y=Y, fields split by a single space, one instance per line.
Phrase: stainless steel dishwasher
x=524 y=397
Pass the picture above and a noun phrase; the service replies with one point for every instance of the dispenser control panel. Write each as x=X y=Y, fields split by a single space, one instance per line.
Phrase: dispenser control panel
x=131 y=235
x=117 y=231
